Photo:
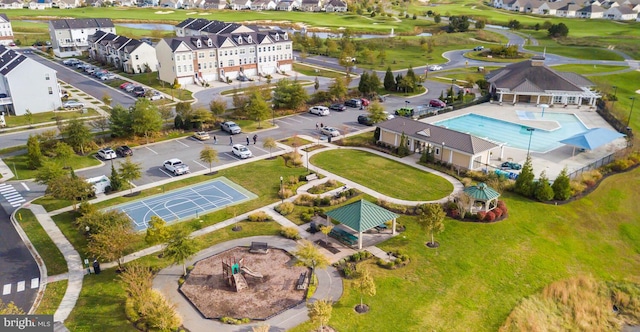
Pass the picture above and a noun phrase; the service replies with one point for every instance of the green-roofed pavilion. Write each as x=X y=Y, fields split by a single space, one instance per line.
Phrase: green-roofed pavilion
x=362 y=216
x=483 y=194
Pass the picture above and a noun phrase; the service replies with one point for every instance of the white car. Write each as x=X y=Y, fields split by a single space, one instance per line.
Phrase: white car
x=241 y=151
x=107 y=154
x=72 y=104
x=388 y=115
x=156 y=95
x=435 y=67
x=330 y=131
x=107 y=76
x=319 y=110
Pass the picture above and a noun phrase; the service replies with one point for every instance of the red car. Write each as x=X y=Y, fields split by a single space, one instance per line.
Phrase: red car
x=437 y=103
x=124 y=85
x=365 y=102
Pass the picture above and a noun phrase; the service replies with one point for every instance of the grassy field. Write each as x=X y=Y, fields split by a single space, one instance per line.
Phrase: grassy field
x=36 y=118
x=588 y=69
x=312 y=71
x=52 y=297
x=481 y=271
x=101 y=303
x=18 y=165
x=585 y=53
x=51 y=255
x=378 y=173
x=625 y=91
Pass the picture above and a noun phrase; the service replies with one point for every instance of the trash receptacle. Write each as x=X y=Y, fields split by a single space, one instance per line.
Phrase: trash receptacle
x=96 y=267
x=329 y=138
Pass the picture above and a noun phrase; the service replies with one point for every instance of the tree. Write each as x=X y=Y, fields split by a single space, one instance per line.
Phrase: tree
x=524 y=183
x=106 y=99
x=181 y=247
x=48 y=172
x=338 y=89
x=558 y=30
x=63 y=152
x=71 y=188
x=431 y=218
x=130 y=171
x=258 y=109
x=362 y=85
x=543 y=192
x=199 y=117
x=289 y=94
x=514 y=25
x=157 y=232
x=316 y=84
x=48 y=139
x=29 y=116
x=376 y=112
x=389 y=80
x=34 y=154
x=217 y=107
x=320 y=312
x=101 y=123
x=480 y=24
x=269 y=143
x=437 y=19
x=458 y=24
x=120 y=121
x=112 y=242
x=308 y=255
x=97 y=221
x=10 y=309
x=76 y=134
x=145 y=118
x=365 y=285
x=175 y=85
x=116 y=180
x=326 y=229
x=562 y=186
x=209 y=155
x=165 y=113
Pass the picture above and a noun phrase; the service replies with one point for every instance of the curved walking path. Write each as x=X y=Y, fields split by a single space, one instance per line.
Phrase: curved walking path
x=166 y=281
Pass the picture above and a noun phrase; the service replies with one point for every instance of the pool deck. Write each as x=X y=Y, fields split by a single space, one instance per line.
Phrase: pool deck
x=552 y=162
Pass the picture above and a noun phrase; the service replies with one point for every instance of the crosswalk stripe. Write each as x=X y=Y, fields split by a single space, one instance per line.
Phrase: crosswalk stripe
x=6 y=190
x=35 y=283
x=20 y=286
x=2 y=185
x=6 y=289
x=16 y=204
x=14 y=198
x=11 y=196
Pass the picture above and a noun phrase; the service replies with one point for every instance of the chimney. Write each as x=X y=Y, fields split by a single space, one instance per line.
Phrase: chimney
x=537 y=61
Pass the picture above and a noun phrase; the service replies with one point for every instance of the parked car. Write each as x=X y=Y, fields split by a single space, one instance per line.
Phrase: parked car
x=241 y=151
x=437 y=103
x=156 y=95
x=201 y=135
x=124 y=151
x=90 y=69
x=338 y=107
x=80 y=65
x=365 y=120
x=130 y=87
x=404 y=111
x=99 y=72
x=478 y=48
x=511 y=165
x=107 y=76
x=230 y=127
x=435 y=67
x=70 y=62
x=124 y=85
x=176 y=166
x=72 y=103
x=330 y=131
x=139 y=91
x=107 y=154
x=388 y=115
x=365 y=101
x=319 y=110
x=353 y=103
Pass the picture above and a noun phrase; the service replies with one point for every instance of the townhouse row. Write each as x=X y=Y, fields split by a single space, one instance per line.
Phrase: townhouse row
x=619 y=10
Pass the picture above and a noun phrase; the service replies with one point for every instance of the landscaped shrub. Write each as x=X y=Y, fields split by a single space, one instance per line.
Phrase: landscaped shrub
x=620 y=165
x=284 y=208
x=481 y=215
x=285 y=193
x=490 y=216
x=233 y=321
x=290 y=233
x=360 y=255
x=260 y=216
x=292 y=158
x=351 y=192
x=577 y=187
x=454 y=213
x=503 y=206
x=293 y=180
x=401 y=259
x=307 y=215
x=336 y=201
x=466 y=182
x=498 y=212
x=397 y=208
x=324 y=187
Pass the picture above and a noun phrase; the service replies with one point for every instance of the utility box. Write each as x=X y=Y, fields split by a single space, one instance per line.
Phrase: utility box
x=100 y=184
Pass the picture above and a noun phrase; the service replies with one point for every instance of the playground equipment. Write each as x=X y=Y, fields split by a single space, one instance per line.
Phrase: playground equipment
x=233 y=271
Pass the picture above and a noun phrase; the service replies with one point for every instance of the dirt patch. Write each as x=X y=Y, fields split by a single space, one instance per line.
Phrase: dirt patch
x=211 y=294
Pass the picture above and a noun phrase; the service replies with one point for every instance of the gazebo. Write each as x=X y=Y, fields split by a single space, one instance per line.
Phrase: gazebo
x=484 y=194
x=362 y=216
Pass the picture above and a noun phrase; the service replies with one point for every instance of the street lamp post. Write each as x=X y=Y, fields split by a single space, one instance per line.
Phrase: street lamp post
x=281 y=190
x=273 y=114
x=615 y=91
x=543 y=107
x=633 y=100
x=530 y=130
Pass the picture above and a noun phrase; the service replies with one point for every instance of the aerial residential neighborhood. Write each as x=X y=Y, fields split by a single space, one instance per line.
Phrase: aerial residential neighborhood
x=319 y=165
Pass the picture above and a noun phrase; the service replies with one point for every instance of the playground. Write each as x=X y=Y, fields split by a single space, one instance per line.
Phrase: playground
x=240 y=284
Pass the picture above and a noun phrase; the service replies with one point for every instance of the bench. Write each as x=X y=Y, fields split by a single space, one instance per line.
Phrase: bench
x=381 y=227
x=343 y=236
x=328 y=246
x=259 y=248
x=302 y=281
x=311 y=177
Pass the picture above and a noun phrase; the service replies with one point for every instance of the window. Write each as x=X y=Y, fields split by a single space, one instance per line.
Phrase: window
x=240 y=41
x=250 y=40
x=184 y=57
x=279 y=47
x=225 y=53
x=437 y=151
x=190 y=67
x=572 y=100
x=212 y=54
x=200 y=55
x=137 y=58
x=179 y=71
x=221 y=65
x=210 y=65
x=285 y=36
x=199 y=67
x=242 y=51
x=184 y=67
x=189 y=56
x=231 y=63
x=277 y=37
x=46 y=77
x=236 y=52
x=557 y=99
x=50 y=90
x=252 y=50
x=287 y=47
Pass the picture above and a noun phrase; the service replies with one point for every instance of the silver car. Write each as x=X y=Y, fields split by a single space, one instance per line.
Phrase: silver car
x=72 y=104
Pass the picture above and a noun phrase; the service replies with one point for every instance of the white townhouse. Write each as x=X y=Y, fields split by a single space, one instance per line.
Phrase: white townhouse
x=311 y=5
x=130 y=55
x=568 y=10
x=620 y=13
x=11 y=4
x=213 y=50
x=27 y=84
x=70 y=37
x=6 y=32
x=67 y=4
x=239 y=4
x=285 y=5
x=335 y=6
x=591 y=11
x=214 y=4
x=40 y=4
x=263 y=5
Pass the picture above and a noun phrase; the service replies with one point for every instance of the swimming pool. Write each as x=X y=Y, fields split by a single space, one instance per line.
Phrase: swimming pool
x=516 y=135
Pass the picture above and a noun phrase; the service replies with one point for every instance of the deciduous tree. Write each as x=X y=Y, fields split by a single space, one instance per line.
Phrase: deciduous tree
x=209 y=155
x=157 y=232
x=120 y=121
x=63 y=152
x=431 y=218
x=376 y=112
x=258 y=109
x=180 y=248
x=320 y=312
x=112 y=242
x=365 y=284
x=217 y=107
x=49 y=171
x=338 y=89
x=34 y=153
x=10 y=309
x=308 y=255
x=269 y=143
x=130 y=171
x=145 y=119
x=76 y=134
x=71 y=188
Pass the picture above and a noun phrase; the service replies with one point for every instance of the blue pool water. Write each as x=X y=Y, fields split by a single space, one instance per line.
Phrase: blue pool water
x=516 y=135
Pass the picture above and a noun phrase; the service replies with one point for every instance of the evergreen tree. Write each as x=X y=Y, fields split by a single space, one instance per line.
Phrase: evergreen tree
x=362 y=85
x=116 y=180
x=389 y=81
x=120 y=121
x=398 y=82
x=411 y=76
x=524 y=183
x=34 y=153
x=544 y=192
x=178 y=123
x=562 y=186
x=403 y=150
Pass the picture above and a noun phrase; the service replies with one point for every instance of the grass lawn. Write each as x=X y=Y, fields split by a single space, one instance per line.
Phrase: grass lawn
x=18 y=165
x=51 y=255
x=36 y=118
x=312 y=71
x=385 y=176
x=249 y=126
x=294 y=141
x=588 y=69
x=151 y=80
x=53 y=295
x=101 y=303
x=624 y=92
x=585 y=53
x=481 y=271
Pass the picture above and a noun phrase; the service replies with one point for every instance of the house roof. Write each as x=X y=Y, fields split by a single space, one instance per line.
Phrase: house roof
x=9 y=59
x=570 y=7
x=481 y=192
x=82 y=23
x=337 y=3
x=591 y=9
x=4 y=18
x=535 y=76
x=362 y=215
x=592 y=138
x=452 y=139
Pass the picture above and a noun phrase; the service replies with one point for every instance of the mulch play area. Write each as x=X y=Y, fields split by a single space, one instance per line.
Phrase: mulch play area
x=267 y=284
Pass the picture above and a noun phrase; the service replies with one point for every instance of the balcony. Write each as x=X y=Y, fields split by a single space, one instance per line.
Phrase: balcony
x=6 y=101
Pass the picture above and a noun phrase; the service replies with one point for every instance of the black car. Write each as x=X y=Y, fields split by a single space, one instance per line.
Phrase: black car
x=124 y=151
x=365 y=120
x=356 y=103
x=338 y=107
x=139 y=91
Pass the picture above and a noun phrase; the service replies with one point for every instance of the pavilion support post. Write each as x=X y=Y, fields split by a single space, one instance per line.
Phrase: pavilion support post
x=328 y=221
x=393 y=227
x=359 y=240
